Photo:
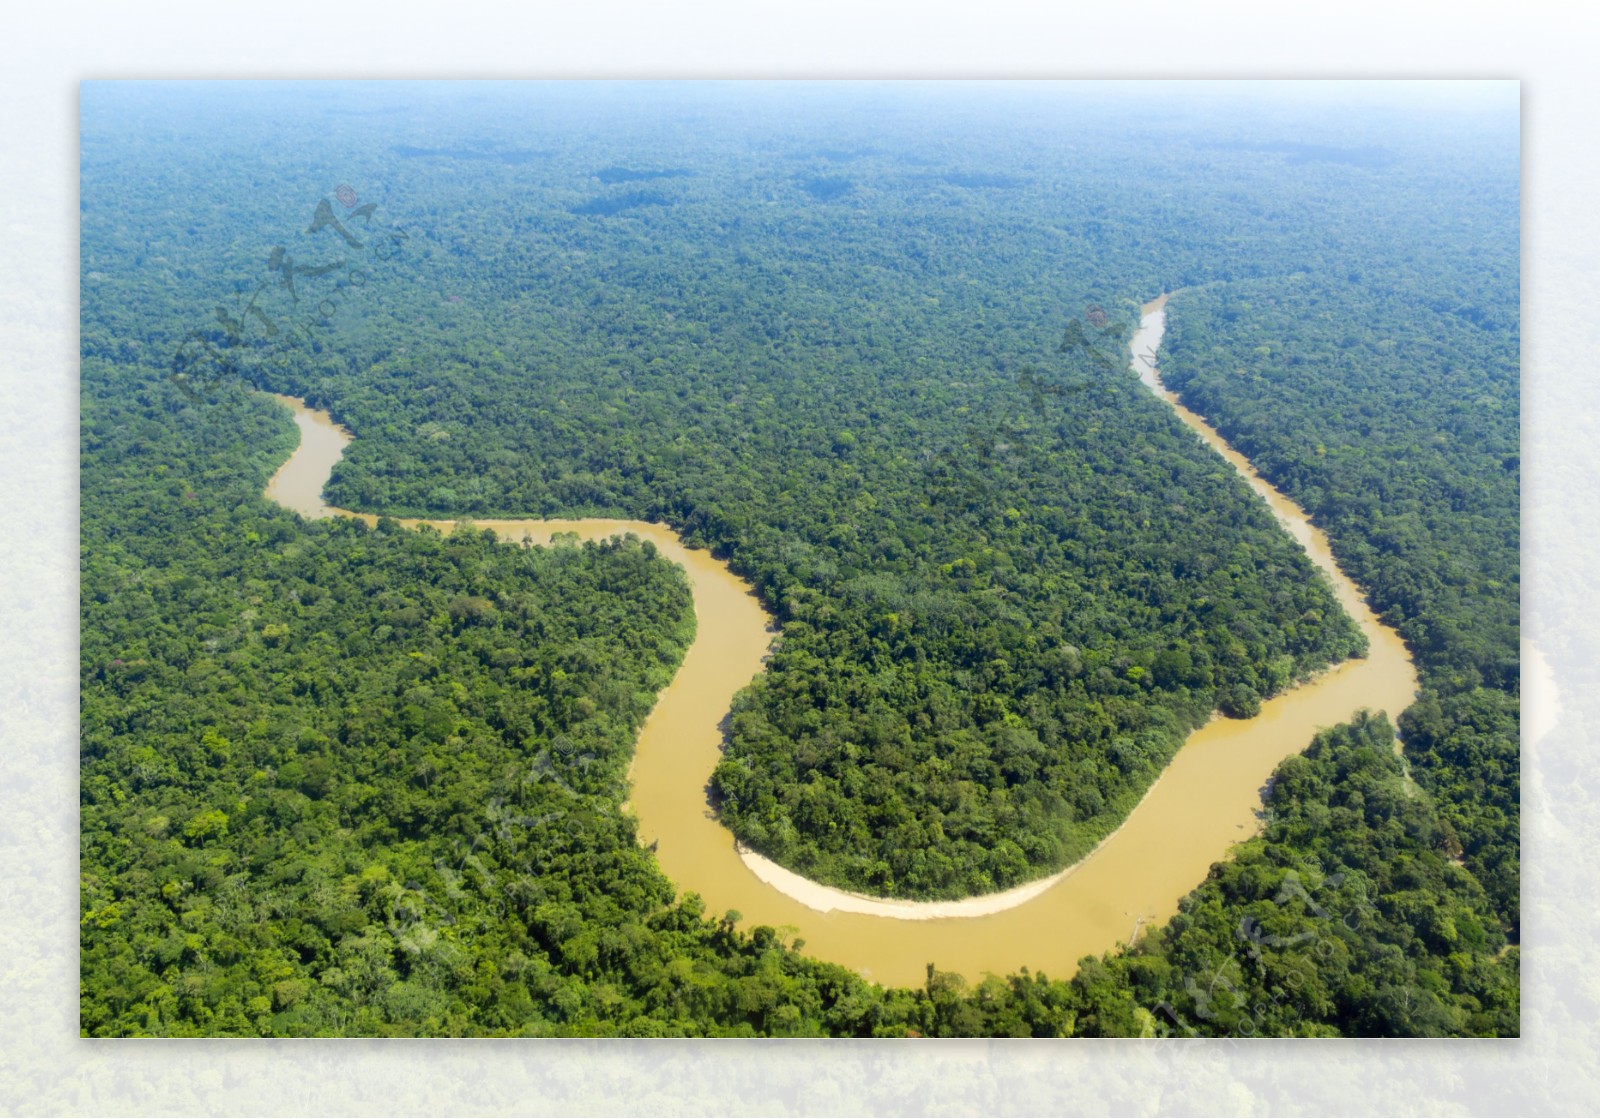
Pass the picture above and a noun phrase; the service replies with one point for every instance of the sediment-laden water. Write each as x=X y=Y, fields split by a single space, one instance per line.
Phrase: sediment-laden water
x=1204 y=802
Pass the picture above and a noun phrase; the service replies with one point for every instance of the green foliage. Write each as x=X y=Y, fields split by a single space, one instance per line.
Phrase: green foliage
x=1348 y=913
x=1002 y=610
x=349 y=781
x=1390 y=411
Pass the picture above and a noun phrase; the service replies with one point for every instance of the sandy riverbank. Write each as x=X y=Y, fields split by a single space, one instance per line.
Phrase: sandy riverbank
x=1204 y=802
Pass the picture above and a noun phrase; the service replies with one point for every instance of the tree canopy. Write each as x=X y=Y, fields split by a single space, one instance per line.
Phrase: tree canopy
x=872 y=353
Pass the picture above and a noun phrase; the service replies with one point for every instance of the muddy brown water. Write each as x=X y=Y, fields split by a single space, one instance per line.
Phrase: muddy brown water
x=1204 y=802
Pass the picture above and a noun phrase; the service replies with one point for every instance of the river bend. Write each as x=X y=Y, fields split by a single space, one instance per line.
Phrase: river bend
x=1203 y=803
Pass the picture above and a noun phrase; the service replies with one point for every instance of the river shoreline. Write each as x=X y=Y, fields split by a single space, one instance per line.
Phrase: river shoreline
x=1206 y=799
x=827 y=899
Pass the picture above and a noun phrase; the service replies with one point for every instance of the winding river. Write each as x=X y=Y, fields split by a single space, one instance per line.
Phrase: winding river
x=1204 y=803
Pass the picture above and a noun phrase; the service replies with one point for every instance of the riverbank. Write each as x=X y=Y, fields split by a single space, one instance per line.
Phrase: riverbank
x=1205 y=801
x=827 y=899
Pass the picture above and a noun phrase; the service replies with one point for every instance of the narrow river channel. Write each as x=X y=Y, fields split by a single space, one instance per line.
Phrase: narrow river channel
x=1204 y=803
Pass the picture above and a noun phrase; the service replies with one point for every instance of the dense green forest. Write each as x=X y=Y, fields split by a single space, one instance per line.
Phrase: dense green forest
x=1402 y=440
x=818 y=339
x=1004 y=599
